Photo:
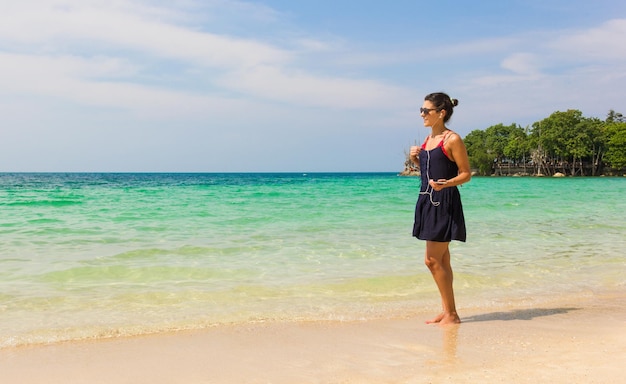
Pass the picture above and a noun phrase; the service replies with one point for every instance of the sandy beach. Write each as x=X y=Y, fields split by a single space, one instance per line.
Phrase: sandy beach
x=564 y=342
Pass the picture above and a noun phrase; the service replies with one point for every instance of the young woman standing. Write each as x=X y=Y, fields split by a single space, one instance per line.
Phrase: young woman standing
x=439 y=219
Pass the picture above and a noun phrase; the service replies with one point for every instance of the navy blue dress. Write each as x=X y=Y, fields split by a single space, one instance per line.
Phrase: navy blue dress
x=438 y=214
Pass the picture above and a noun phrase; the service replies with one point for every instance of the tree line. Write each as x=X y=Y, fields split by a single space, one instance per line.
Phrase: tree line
x=565 y=142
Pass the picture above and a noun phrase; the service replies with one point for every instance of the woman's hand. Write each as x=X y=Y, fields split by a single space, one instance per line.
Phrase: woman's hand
x=415 y=153
x=438 y=185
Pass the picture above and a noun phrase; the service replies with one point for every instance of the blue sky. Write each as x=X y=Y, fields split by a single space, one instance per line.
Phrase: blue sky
x=287 y=86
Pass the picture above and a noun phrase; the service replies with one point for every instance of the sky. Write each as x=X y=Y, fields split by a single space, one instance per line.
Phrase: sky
x=284 y=85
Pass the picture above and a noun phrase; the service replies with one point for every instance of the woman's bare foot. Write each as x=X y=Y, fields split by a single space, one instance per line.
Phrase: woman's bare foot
x=445 y=318
x=450 y=318
x=436 y=319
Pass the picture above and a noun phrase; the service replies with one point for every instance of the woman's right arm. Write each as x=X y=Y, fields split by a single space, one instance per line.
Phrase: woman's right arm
x=414 y=154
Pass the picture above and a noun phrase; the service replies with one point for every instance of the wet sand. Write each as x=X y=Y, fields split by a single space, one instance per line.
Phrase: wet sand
x=569 y=341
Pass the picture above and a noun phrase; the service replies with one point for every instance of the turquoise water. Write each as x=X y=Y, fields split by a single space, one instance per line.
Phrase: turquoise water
x=87 y=256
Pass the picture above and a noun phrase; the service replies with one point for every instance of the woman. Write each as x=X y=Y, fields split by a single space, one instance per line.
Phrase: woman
x=444 y=165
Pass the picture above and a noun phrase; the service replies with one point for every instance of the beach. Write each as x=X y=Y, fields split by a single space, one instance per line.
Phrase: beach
x=562 y=342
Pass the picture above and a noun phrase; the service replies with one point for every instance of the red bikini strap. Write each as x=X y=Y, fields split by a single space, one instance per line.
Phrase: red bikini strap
x=447 y=135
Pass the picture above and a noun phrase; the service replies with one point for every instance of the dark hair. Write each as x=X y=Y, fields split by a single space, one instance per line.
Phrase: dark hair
x=442 y=101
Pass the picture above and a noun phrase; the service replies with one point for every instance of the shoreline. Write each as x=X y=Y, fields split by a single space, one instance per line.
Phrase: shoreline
x=563 y=341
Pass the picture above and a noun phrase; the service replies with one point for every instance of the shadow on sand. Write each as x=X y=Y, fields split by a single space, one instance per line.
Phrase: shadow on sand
x=518 y=314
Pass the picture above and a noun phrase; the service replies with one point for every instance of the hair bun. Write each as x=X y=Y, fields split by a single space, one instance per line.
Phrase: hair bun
x=454 y=102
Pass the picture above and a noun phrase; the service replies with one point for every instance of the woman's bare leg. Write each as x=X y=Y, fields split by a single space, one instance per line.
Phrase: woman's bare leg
x=437 y=260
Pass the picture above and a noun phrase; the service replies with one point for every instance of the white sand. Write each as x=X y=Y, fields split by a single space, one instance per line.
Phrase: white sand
x=566 y=342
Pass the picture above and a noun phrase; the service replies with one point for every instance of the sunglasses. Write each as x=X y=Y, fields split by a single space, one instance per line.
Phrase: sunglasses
x=426 y=111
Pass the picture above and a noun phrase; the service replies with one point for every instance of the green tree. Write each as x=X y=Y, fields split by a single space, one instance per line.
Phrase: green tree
x=497 y=138
x=505 y=143
x=579 y=144
x=517 y=150
x=616 y=144
x=558 y=136
x=615 y=117
x=596 y=143
x=475 y=142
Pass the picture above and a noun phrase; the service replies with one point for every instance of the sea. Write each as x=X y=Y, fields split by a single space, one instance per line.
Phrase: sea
x=87 y=256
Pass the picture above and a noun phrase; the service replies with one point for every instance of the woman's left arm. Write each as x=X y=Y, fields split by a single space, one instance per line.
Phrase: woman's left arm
x=458 y=153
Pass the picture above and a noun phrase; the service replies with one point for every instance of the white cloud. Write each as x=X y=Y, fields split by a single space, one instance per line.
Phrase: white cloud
x=522 y=63
x=76 y=52
x=605 y=42
x=74 y=79
x=96 y=26
x=304 y=88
